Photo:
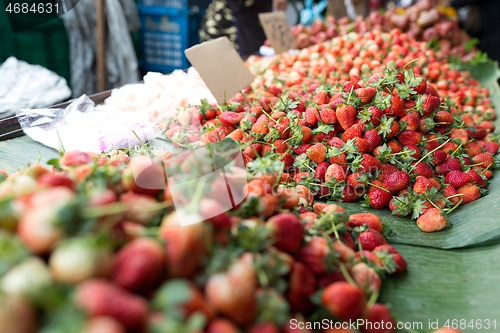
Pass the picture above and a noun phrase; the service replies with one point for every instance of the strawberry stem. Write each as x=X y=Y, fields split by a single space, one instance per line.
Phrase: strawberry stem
x=455 y=207
x=346 y=275
x=379 y=187
x=425 y=156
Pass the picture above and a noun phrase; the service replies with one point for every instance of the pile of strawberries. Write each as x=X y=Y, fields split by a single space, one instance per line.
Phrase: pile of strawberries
x=435 y=25
x=85 y=248
x=389 y=138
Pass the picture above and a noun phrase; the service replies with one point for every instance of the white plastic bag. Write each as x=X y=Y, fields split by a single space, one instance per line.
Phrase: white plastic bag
x=80 y=127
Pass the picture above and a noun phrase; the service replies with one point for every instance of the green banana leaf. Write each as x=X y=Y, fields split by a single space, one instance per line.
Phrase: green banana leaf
x=445 y=285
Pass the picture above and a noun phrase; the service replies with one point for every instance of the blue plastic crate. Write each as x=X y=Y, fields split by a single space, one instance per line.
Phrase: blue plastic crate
x=165 y=34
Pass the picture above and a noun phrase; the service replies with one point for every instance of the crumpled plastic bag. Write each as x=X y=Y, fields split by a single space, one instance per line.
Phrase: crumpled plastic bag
x=80 y=127
x=311 y=13
x=29 y=86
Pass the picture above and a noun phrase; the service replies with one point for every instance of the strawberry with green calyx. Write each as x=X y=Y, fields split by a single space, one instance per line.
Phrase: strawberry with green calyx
x=370 y=239
x=101 y=298
x=317 y=153
x=366 y=277
x=392 y=261
x=344 y=300
x=396 y=181
x=378 y=198
x=360 y=219
x=433 y=220
x=232 y=292
x=302 y=286
x=346 y=115
x=286 y=231
x=378 y=314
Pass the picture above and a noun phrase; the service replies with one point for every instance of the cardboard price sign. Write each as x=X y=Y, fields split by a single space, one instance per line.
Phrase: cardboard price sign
x=278 y=31
x=221 y=67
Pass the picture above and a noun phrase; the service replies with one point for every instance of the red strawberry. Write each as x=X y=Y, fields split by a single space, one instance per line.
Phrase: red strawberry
x=422 y=169
x=432 y=220
x=320 y=171
x=321 y=97
x=373 y=138
x=335 y=171
x=378 y=320
x=439 y=157
x=103 y=324
x=397 y=107
x=366 y=94
x=221 y=325
x=421 y=184
x=387 y=170
x=311 y=116
x=266 y=327
x=485 y=159
x=476 y=179
x=317 y=153
x=398 y=258
x=302 y=286
x=456 y=178
x=450 y=191
x=371 y=239
x=350 y=86
x=409 y=138
x=470 y=193
x=379 y=198
x=185 y=247
x=302 y=149
x=350 y=194
x=322 y=137
x=429 y=103
x=138 y=265
x=327 y=115
x=286 y=231
x=376 y=115
x=56 y=179
x=313 y=254
x=344 y=300
x=447 y=166
x=144 y=175
x=431 y=91
x=397 y=181
x=101 y=298
x=411 y=120
x=360 y=219
x=232 y=293
x=230 y=118
x=139 y=207
x=369 y=163
x=352 y=180
x=355 y=131
x=336 y=142
x=491 y=147
x=341 y=160
x=346 y=115
x=74 y=157
x=306 y=196
x=422 y=86
x=362 y=144
x=301 y=176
